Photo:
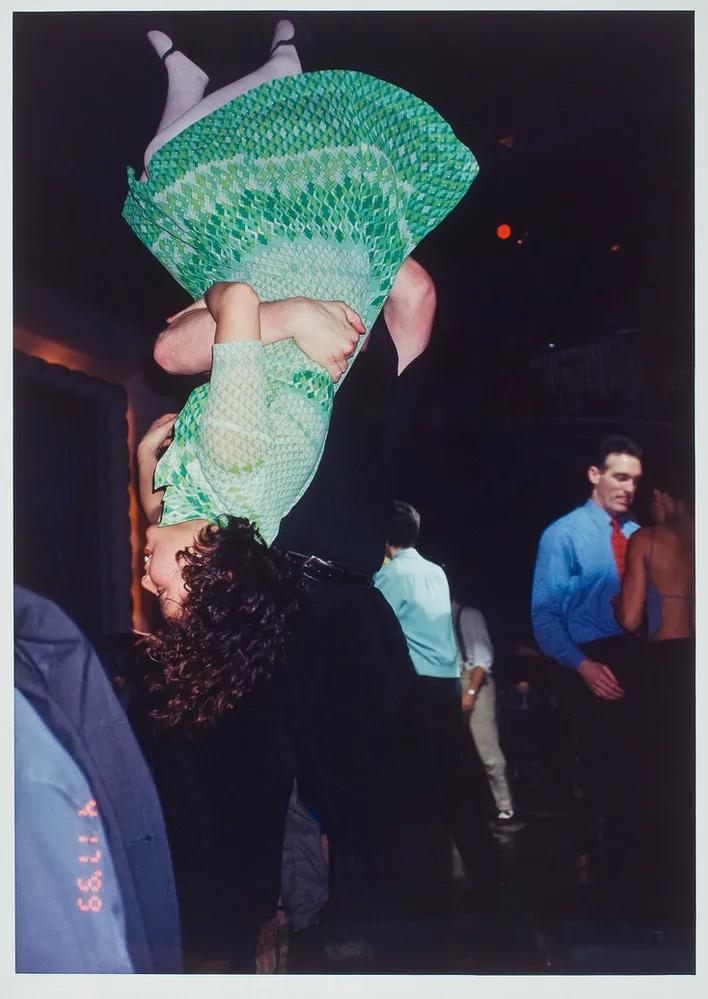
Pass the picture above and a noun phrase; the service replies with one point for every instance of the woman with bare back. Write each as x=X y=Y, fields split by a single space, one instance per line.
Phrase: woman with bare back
x=657 y=597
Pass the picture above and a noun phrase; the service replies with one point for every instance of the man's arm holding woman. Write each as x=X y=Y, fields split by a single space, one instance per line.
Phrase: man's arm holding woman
x=328 y=332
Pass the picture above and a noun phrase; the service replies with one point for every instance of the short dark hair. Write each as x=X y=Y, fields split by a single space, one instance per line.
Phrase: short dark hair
x=404 y=527
x=615 y=444
x=673 y=477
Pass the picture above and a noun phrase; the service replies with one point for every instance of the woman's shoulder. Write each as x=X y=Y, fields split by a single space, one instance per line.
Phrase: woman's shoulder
x=642 y=536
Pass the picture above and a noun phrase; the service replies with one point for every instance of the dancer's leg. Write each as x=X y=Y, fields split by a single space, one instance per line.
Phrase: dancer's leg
x=186 y=82
x=283 y=61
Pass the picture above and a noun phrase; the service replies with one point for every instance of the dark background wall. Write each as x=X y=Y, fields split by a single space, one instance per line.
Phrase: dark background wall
x=71 y=501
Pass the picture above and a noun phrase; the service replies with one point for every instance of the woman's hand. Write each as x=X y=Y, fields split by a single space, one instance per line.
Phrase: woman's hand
x=154 y=442
x=158 y=436
x=330 y=336
x=328 y=332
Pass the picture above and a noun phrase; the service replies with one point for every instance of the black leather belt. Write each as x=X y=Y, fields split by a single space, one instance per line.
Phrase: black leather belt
x=318 y=568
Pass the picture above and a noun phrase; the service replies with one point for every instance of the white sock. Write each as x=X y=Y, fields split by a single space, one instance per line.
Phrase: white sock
x=284 y=62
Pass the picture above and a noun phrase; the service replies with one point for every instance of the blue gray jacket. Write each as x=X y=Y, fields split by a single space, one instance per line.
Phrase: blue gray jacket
x=60 y=675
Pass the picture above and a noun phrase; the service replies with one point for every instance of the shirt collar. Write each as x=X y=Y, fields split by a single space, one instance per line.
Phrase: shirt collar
x=407 y=552
x=602 y=517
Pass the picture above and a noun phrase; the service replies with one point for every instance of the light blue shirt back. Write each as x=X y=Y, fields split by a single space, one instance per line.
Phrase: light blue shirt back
x=419 y=593
x=575 y=578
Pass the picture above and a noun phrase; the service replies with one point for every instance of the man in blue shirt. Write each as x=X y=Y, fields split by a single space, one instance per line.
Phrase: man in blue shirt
x=419 y=594
x=579 y=569
x=577 y=572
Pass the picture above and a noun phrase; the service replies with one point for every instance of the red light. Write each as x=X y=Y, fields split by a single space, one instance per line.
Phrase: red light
x=503 y=231
x=615 y=248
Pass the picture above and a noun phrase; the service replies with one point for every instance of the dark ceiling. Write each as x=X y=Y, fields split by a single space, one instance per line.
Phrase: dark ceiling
x=600 y=106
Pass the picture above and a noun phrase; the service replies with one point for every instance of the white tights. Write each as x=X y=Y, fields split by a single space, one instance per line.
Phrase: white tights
x=186 y=84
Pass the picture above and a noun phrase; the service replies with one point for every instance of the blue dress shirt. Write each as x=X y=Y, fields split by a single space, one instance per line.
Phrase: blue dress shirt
x=574 y=580
x=419 y=593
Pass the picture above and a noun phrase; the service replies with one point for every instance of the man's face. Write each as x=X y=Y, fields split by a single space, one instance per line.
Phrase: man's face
x=615 y=485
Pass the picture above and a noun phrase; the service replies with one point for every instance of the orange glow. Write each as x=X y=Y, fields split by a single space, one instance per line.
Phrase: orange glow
x=89 y=809
x=56 y=353
x=503 y=231
x=137 y=538
x=507 y=141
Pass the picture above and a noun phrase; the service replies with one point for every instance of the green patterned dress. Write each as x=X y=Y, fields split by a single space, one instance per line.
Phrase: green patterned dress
x=317 y=185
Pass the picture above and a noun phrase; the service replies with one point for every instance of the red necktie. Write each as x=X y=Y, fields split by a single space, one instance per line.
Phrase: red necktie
x=619 y=548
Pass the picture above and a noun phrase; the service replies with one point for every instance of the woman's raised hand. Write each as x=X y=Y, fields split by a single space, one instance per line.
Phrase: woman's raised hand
x=158 y=435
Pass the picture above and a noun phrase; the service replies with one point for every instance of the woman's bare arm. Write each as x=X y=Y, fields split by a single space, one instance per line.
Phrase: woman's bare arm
x=235 y=308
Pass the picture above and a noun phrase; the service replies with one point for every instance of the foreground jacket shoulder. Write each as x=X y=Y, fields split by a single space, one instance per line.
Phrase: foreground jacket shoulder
x=59 y=673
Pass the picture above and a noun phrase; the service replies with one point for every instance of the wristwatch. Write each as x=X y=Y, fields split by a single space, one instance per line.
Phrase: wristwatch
x=472 y=692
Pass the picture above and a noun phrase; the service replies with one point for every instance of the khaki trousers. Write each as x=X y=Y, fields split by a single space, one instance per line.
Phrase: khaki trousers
x=483 y=726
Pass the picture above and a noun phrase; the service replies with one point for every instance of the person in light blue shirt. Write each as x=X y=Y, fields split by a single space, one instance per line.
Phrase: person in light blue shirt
x=577 y=575
x=419 y=594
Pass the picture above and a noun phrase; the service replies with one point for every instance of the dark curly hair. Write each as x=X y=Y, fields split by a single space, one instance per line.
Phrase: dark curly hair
x=239 y=612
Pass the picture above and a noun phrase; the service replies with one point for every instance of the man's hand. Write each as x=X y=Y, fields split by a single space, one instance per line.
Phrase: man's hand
x=158 y=435
x=468 y=702
x=471 y=679
x=600 y=679
x=328 y=332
